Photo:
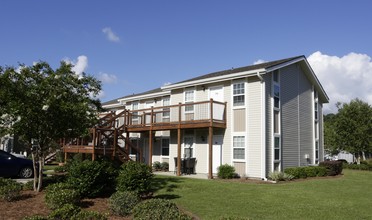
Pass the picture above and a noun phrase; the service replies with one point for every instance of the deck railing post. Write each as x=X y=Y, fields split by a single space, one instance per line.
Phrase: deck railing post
x=211 y=112
x=179 y=113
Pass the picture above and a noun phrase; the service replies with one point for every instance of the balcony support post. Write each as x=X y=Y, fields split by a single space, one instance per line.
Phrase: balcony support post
x=179 y=151
x=210 y=156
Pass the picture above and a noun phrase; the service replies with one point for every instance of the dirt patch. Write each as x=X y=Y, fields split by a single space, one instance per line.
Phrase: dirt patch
x=32 y=203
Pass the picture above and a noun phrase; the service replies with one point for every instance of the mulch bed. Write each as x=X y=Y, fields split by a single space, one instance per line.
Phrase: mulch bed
x=32 y=203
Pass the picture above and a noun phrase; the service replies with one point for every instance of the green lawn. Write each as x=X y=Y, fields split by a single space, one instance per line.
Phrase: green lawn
x=346 y=197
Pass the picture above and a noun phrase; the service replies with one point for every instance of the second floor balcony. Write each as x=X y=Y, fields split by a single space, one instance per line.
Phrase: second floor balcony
x=183 y=115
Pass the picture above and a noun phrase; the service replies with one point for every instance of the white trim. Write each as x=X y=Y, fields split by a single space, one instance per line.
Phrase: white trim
x=146 y=96
x=213 y=79
x=245 y=81
x=235 y=134
x=288 y=63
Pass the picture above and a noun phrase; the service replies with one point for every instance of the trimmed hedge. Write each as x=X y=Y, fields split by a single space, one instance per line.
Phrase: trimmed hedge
x=65 y=212
x=333 y=167
x=304 y=172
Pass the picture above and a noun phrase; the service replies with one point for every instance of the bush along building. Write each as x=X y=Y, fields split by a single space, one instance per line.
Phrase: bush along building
x=257 y=118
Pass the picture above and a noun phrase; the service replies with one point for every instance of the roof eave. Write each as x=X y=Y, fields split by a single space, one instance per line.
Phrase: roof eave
x=212 y=79
x=144 y=96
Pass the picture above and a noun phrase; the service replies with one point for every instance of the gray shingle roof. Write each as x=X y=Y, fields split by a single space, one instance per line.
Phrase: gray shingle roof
x=215 y=74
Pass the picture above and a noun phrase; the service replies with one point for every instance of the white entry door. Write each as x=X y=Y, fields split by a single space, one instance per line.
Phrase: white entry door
x=216 y=93
x=217 y=152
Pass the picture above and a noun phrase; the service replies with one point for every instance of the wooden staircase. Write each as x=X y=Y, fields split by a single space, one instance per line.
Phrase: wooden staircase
x=109 y=137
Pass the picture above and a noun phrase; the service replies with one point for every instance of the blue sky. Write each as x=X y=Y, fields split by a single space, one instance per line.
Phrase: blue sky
x=134 y=46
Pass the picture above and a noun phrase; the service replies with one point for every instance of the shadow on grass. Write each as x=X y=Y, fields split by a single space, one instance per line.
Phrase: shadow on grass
x=168 y=184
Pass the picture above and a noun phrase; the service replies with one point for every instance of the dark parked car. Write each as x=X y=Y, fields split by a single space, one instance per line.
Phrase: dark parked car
x=12 y=166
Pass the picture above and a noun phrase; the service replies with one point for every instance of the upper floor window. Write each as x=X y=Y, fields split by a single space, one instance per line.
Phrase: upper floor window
x=135 y=113
x=189 y=98
x=276 y=76
x=238 y=94
x=166 y=111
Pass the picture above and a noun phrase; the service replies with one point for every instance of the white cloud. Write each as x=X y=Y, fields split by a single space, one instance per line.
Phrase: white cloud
x=167 y=83
x=111 y=36
x=80 y=65
x=107 y=78
x=259 y=61
x=343 y=78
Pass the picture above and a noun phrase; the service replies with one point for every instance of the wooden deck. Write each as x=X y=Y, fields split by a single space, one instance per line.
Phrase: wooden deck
x=115 y=126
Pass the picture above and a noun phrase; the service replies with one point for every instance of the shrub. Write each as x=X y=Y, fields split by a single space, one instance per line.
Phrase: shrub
x=280 y=176
x=29 y=185
x=226 y=171
x=122 y=203
x=158 y=209
x=156 y=165
x=296 y=172
x=357 y=167
x=320 y=171
x=61 y=169
x=135 y=177
x=10 y=190
x=89 y=215
x=310 y=171
x=65 y=212
x=164 y=166
x=91 y=178
x=59 y=194
x=333 y=167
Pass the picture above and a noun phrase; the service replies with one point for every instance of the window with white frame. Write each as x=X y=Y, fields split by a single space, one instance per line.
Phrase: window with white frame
x=135 y=113
x=189 y=98
x=238 y=94
x=239 y=147
x=277 y=145
x=166 y=111
x=316 y=126
x=165 y=146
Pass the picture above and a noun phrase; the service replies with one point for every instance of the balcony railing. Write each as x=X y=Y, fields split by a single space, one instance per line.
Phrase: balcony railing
x=181 y=114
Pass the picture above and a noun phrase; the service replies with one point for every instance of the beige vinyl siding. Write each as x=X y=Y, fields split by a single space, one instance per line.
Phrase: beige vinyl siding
x=254 y=116
x=240 y=168
x=239 y=120
x=306 y=119
x=268 y=112
x=289 y=116
x=227 y=139
x=201 y=95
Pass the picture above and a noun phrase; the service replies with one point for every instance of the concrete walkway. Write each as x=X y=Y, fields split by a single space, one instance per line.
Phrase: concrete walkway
x=171 y=173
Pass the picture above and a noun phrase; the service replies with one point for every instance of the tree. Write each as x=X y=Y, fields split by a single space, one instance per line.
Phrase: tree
x=353 y=126
x=330 y=134
x=42 y=105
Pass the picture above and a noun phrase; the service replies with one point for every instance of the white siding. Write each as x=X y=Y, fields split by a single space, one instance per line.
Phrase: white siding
x=254 y=116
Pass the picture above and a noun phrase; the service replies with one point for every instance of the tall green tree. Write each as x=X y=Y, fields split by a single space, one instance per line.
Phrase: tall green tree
x=353 y=126
x=42 y=105
x=330 y=134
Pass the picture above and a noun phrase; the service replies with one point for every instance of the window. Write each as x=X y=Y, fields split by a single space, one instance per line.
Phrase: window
x=276 y=96
x=277 y=145
x=277 y=148
x=276 y=122
x=316 y=151
x=165 y=147
x=189 y=98
x=276 y=76
x=188 y=147
x=135 y=113
x=316 y=127
x=134 y=143
x=239 y=147
x=166 y=111
x=238 y=94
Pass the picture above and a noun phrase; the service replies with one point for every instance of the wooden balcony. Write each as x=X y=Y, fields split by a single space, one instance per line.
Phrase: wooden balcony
x=182 y=116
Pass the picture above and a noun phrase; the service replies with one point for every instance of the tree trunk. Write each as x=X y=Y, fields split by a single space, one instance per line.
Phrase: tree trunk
x=35 y=171
x=41 y=165
x=364 y=155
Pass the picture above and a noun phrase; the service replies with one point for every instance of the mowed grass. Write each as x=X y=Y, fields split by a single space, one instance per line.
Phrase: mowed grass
x=346 y=197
